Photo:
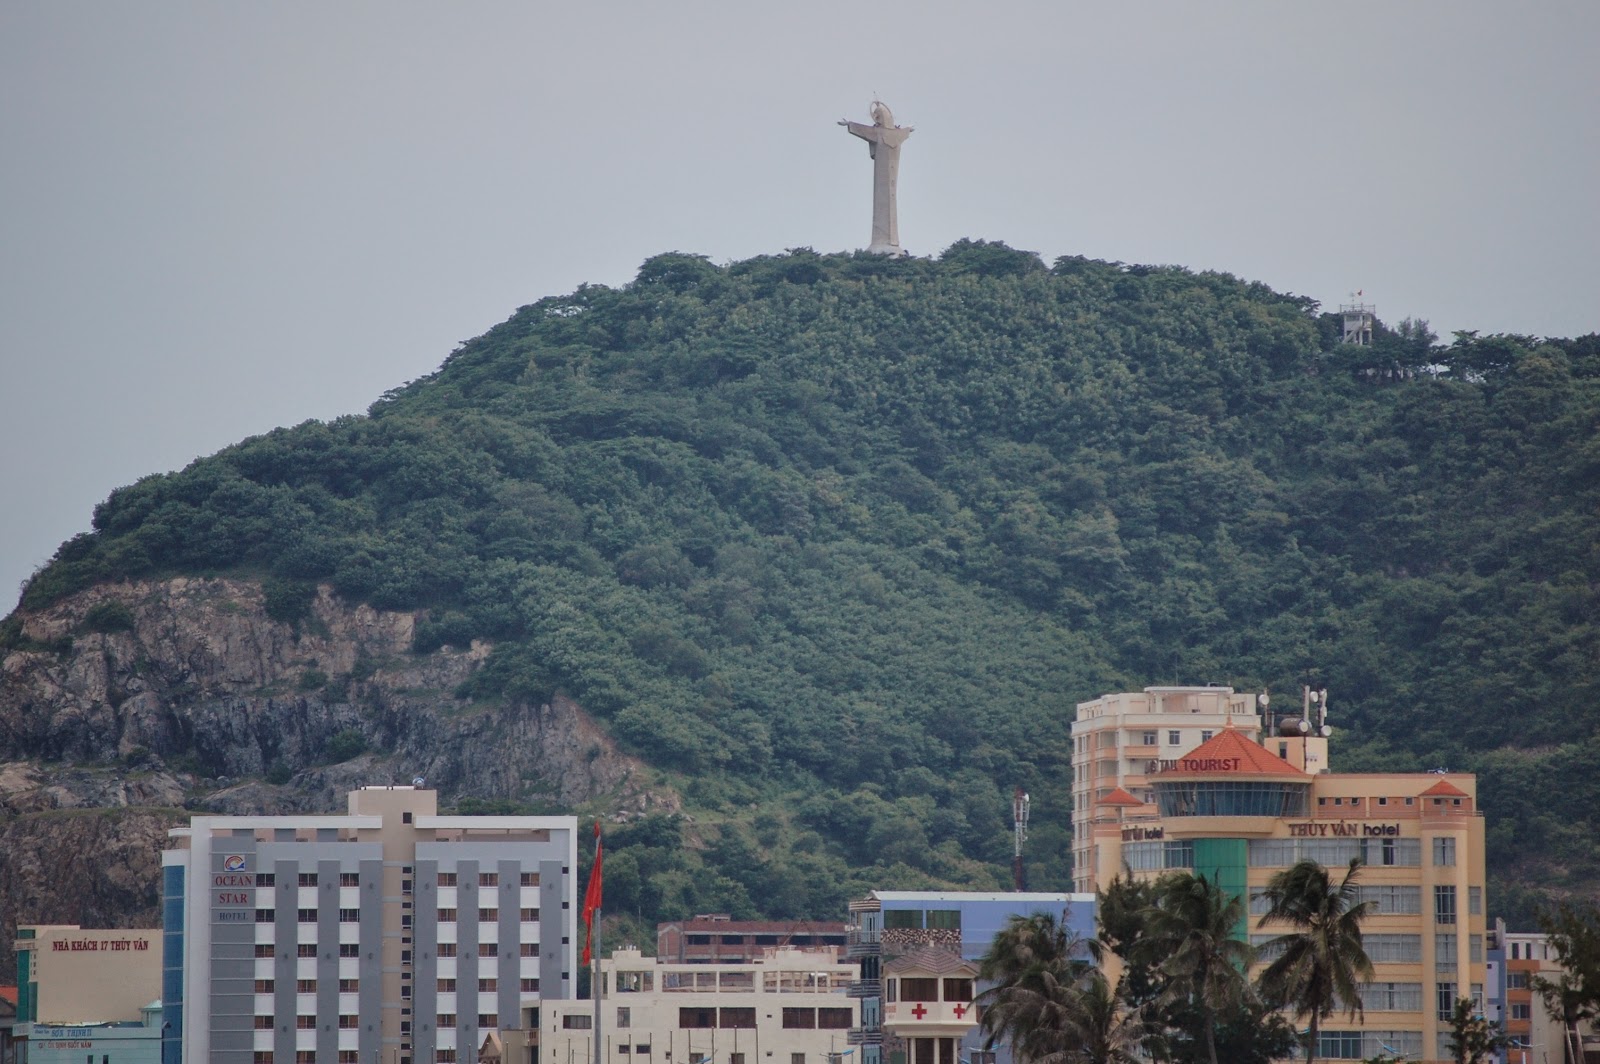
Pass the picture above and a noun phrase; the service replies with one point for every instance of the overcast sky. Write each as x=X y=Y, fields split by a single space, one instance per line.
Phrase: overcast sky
x=221 y=218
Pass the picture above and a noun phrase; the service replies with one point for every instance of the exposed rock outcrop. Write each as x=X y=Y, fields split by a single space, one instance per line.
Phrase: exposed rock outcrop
x=196 y=700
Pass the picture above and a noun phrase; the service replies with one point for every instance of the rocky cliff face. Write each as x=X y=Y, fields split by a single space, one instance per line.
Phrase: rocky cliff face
x=125 y=708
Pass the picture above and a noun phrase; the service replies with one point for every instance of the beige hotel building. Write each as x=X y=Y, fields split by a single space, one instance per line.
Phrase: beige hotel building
x=1208 y=780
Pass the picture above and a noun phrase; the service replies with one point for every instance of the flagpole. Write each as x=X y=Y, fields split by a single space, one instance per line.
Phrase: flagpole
x=597 y=986
x=592 y=945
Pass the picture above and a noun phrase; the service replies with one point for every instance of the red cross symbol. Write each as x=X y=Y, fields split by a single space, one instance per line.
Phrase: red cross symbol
x=919 y=1011
x=961 y=1010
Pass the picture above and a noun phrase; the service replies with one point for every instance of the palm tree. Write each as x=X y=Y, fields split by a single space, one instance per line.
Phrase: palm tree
x=1192 y=925
x=1323 y=964
x=1031 y=968
x=1107 y=1028
x=1050 y=1001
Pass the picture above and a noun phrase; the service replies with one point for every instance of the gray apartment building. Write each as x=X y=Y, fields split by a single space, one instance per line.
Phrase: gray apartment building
x=389 y=935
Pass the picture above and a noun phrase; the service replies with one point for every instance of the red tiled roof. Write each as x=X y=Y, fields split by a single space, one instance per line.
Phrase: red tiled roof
x=1229 y=752
x=1444 y=789
x=933 y=959
x=1118 y=796
x=9 y=994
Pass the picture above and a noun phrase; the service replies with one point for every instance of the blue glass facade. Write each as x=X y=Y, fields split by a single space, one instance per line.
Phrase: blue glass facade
x=1232 y=798
x=172 y=888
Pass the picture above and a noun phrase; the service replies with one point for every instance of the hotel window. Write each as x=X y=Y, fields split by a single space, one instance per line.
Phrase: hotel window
x=447 y=1019
x=1475 y=949
x=488 y=1019
x=263 y=1023
x=265 y=949
x=530 y=986
x=1444 y=905
x=349 y=916
x=305 y=1056
x=349 y=949
x=736 y=1018
x=305 y=1023
x=835 y=1019
x=445 y=1056
x=308 y=916
x=1446 y=1001
x=1392 y=997
x=488 y=986
x=349 y=1056
x=1174 y=738
x=305 y=986
x=349 y=879
x=1383 y=801
x=488 y=949
x=308 y=879
x=265 y=916
x=529 y=916
x=624 y=1017
x=489 y=879
x=447 y=986
x=1516 y=980
x=447 y=916
x=447 y=879
x=584 y=1023
x=262 y=1056
x=1444 y=952
x=488 y=916
x=266 y=879
x=1393 y=949
x=349 y=986
x=264 y=986
x=306 y=949
x=1475 y=901
x=944 y=919
x=799 y=1019
x=348 y=1022
x=529 y=949
x=1521 y=1011
x=447 y=949
x=1444 y=850
x=1150 y=738
x=1205 y=736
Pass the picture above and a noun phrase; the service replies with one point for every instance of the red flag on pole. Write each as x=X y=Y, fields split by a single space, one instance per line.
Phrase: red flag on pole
x=591 y=897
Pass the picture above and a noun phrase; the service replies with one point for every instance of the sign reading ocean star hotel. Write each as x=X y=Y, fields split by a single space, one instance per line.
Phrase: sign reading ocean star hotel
x=233 y=886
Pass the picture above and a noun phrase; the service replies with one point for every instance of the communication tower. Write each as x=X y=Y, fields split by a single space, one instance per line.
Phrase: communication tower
x=1358 y=318
x=1019 y=817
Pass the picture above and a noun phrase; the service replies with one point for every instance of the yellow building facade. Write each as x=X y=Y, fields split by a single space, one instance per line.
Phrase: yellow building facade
x=1248 y=803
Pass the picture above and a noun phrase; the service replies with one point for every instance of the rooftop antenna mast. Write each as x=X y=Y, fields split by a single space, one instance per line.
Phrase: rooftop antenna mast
x=1019 y=817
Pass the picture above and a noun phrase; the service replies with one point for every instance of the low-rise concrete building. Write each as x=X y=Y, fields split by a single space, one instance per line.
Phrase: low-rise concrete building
x=716 y=938
x=788 y=1007
x=87 y=993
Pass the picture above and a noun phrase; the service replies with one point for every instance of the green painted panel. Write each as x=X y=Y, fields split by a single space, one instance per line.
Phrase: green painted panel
x=1226 y=863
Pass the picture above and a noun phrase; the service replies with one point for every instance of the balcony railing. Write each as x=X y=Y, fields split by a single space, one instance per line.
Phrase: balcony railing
x=862 y=942
x=865 y=1036
x=862 y=988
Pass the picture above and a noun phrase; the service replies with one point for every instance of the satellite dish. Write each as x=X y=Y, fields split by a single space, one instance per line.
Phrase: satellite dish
x=1325 y=731
x=418 y=781
x=1263 y=699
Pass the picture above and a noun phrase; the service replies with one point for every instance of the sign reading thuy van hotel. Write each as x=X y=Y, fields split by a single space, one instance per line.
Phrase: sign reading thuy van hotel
x=1344 y=829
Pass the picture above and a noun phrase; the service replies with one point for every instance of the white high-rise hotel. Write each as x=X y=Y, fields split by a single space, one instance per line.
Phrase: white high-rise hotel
x=390 y=935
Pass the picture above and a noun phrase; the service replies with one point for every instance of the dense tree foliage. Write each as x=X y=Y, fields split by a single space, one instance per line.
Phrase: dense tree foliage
x=840 y=540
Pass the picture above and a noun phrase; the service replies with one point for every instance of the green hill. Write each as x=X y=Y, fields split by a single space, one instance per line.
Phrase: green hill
x=838 y=541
